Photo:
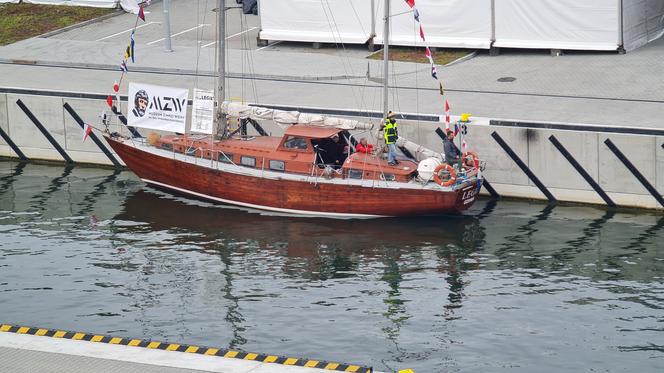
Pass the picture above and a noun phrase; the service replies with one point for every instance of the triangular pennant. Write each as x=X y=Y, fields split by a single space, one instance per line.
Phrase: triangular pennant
x=141 y=13
x=131 y=44
x=86 y=131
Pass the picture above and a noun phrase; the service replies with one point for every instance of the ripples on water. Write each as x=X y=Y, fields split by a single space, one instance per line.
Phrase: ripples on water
x=512 y=286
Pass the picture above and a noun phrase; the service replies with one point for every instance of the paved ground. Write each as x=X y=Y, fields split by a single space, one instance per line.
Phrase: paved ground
x=33 y=354
x=600 y=88
x=25 y=361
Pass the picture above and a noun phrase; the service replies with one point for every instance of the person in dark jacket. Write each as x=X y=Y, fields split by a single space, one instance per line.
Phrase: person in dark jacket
x=452 y=153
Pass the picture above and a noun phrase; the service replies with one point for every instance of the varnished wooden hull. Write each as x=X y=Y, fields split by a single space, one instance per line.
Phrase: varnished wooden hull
x=290 y=196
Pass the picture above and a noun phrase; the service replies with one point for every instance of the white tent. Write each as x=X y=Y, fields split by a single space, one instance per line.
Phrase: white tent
x=331 y=21
x=477 y=24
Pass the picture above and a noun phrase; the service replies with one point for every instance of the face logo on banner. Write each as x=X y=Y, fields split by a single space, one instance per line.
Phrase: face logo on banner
x=141 y=100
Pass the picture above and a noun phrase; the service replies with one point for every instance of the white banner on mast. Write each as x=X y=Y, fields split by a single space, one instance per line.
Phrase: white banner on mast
x=202 y=112
x=157 y=107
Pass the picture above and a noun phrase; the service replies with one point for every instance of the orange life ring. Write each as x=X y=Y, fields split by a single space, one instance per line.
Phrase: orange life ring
x=476 y=159
x=450 y=170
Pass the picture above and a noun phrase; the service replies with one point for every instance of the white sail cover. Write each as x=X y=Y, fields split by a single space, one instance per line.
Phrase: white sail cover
x=283 y=117
x=418 y=151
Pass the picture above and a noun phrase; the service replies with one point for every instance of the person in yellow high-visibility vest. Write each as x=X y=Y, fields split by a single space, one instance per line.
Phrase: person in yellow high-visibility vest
x=391 y=134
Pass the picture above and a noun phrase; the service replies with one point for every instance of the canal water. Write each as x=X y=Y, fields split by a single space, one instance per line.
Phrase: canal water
x=510 y=286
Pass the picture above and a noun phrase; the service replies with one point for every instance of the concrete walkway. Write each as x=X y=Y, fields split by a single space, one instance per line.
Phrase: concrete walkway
x=36 y=354
x=579 y=87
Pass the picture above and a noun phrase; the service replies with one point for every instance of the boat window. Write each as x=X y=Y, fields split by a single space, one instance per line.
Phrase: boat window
x=387 y=177
x=354 y=174
x=277 y=165
x=293 y=142
x=167 y=146
x=226 y=157
x=248 y=161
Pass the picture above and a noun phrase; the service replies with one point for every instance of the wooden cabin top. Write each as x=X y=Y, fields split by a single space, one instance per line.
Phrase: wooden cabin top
x=300 y=150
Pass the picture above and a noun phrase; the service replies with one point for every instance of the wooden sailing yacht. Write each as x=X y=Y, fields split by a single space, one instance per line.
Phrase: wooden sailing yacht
x=310 y=170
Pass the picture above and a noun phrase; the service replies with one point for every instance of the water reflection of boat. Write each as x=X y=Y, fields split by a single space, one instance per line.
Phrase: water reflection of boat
x=303 y=235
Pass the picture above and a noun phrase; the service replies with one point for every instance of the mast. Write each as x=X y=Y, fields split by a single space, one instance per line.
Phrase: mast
x=219 y=129
x=386 y=59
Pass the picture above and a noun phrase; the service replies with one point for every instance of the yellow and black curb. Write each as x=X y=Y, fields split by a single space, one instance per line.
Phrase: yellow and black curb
x=232 y=354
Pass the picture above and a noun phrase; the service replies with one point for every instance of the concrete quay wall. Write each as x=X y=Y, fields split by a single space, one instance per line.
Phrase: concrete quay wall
x=531 y=142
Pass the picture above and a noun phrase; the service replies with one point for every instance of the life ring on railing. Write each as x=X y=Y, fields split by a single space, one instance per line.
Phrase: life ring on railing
x=476 y=159
x=450 y=170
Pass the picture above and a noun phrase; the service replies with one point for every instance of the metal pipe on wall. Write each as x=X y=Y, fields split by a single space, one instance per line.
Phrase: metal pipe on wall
x=621 y=25
x=167 y=26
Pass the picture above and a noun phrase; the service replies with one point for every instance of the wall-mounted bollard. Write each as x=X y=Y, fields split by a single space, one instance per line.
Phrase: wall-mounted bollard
x=44 y=131
x=523 y=167
x=92 y=135
x=486 y=183
x=12 y=145
x=637 y=174
x=581 y=171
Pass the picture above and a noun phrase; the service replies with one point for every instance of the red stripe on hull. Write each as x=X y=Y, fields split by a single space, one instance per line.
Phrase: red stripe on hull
x=292 y=195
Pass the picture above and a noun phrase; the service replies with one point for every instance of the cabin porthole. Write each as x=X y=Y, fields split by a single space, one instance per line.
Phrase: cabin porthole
x=277 y=165
x=225 y=158
x=354 y=174
x=387 y=177
x=248 y=161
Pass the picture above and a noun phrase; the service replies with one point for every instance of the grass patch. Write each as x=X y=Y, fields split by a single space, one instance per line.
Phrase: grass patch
x=406 y=54
x=23 y=21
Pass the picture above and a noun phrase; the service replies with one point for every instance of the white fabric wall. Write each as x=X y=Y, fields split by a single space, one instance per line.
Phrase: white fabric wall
x=643 y=22
x=90 y=3
x=558 y=24
x=347 y=21
x=447 y=23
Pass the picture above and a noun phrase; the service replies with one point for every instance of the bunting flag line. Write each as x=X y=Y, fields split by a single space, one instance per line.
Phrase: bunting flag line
x=129 y=53
x=427 y=50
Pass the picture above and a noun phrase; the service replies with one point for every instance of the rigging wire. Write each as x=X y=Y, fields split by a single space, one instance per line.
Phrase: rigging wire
x=345 y=60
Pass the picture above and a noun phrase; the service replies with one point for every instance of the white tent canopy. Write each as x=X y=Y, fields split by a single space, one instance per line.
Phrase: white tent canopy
x=477 y=24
